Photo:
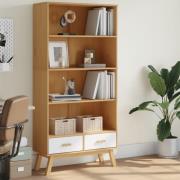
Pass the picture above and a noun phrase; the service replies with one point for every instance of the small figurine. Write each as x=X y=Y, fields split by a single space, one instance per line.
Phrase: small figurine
x=89 y=56
x=69 y=86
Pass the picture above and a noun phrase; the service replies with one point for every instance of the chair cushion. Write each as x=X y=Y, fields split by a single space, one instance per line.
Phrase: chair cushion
x=6 y=147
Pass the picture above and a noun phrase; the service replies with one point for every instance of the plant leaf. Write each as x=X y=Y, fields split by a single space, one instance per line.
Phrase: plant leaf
x=177 y=103
x=175 y=96
x=178 y=114
x=163 y=129
x=164 y=105
x=153 y=69
x=143 y=106
x=157 y=83
x=174 y=74
x=165 y=75
x=133 y=110
x=177 y=86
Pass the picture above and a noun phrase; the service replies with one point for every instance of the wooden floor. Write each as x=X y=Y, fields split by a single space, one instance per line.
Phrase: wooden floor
x=141 y=168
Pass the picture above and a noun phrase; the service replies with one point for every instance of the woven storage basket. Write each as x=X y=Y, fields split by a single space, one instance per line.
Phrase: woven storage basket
x=62 y=126
x=89 y=124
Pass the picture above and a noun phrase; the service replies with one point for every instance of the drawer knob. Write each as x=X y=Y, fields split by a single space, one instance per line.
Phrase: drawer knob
x=100 y=141
x=66 y=145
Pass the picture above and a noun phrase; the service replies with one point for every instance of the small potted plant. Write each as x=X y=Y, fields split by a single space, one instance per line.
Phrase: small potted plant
x=166 y=84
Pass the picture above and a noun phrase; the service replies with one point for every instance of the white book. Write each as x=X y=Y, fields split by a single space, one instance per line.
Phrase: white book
x=92 y=23
x=108 y=18
x=113 y=93
x=109 y=87
x=91 y=84
x=111 y=21
x=102 y=21
x=105 y=85
x=101 y=91
x=104 y=12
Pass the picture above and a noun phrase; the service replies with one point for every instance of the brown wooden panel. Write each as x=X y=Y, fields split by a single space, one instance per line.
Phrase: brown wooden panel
x=40 y=78
x=108 y=110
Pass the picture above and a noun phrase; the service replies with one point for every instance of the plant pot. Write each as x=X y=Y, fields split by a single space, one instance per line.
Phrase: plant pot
x=168 y=148
x=4 y=67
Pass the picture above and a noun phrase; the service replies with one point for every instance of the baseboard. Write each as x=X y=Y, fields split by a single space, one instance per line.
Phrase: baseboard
x=134 y=150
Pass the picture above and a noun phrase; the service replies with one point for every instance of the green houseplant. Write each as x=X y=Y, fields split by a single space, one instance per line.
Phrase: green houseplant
x=166 y=84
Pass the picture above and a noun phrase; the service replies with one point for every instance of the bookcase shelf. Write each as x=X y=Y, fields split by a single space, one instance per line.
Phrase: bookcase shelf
x=81 y=69
x=47 y=80
x=79 y=36
x=81 y=101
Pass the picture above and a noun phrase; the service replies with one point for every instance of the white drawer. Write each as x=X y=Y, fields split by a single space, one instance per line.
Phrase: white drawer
x=65 y=144
x=97 y=141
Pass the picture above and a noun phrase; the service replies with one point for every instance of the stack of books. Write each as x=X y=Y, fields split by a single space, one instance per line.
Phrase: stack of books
x=66 y=97
x=100 y=22
x=99 y=85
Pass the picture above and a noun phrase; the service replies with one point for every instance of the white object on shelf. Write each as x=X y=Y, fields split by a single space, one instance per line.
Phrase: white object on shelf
x=65 y=144
x=4 y=67
x=97 y=141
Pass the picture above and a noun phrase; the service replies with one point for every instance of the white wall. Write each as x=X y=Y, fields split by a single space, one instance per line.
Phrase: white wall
x=148 y=34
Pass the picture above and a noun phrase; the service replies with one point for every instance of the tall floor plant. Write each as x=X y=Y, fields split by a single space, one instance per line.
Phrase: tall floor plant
x=166 y=84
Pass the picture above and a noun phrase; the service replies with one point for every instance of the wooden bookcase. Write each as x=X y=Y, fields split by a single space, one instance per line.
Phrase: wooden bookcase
x=46 y=80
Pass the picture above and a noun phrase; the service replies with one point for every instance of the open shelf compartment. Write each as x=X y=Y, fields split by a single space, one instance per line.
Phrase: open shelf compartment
x=78 y=27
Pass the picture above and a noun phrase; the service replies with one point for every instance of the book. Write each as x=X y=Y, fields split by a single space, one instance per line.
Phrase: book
x=66 y=97
x=99 y=85
x=92 y=23
x=102 y=21
x=111 y=22
x=112 y=85
x=101 y=90
x=91 y=85
x=109 y=86
x=93 y=65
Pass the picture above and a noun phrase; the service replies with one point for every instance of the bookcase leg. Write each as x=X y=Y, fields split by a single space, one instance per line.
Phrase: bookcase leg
x=101 y=159
x=112 y=158
x=49 y=165
x=38 y=162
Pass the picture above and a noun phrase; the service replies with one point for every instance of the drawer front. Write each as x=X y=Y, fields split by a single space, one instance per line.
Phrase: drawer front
x=20 y=169
x=65 y=144
x=25 y=153
x=97 y=141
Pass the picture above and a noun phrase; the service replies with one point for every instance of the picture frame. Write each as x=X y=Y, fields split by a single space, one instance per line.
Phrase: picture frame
x=6 y=44
x=58 y=54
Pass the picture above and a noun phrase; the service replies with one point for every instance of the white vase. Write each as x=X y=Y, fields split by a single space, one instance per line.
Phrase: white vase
x=168 y=148
x=4 y=67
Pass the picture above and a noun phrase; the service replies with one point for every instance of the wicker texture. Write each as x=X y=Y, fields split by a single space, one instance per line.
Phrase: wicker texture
x=59 y=126
x=89 y=124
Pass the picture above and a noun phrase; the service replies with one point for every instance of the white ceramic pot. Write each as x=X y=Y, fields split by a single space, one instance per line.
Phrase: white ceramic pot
x=4 y=67
x=168 y=148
